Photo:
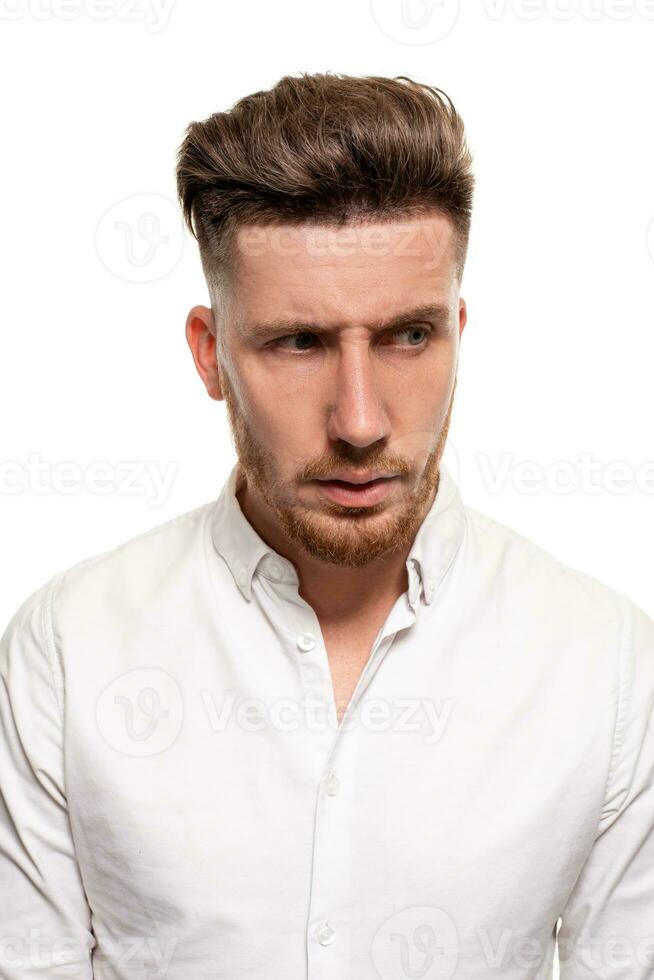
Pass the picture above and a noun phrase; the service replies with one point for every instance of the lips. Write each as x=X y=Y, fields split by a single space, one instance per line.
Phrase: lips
x=358 y=478
x=357 y=494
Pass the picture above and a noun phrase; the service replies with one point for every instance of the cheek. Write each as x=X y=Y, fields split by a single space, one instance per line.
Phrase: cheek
x=418 y=413
x=285 y=428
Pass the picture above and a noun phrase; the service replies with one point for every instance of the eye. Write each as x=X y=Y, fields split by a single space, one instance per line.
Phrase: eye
x=297 y=342
x=408 y=337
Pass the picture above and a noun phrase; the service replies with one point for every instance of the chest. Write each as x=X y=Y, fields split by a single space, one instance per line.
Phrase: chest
x=469 y=779
x=418 y=833
x=348 y=652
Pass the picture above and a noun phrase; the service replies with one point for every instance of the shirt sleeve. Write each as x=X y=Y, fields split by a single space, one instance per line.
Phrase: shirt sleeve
x=607 y=929
x=45 y=921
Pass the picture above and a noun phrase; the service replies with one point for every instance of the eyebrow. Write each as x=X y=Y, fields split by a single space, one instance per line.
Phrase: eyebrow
x=437 y=312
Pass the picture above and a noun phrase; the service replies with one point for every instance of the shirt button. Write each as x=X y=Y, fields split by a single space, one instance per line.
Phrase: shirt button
x=331 y=784
x=325 y=934
x=275 y=570
x=242 y=579
x=306 y=641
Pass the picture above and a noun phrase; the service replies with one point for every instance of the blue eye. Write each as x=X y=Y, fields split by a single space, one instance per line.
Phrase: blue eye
x=415 y=336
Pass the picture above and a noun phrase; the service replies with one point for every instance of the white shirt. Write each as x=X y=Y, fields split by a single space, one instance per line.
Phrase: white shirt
x=178 y=800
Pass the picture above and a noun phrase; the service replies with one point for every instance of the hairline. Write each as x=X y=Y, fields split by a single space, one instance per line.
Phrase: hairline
x=221 y=268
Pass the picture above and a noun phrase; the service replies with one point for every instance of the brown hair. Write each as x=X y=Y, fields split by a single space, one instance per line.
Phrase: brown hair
x=326 y=148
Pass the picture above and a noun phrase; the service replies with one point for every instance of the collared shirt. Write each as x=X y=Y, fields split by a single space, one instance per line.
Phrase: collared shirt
x=178 y=800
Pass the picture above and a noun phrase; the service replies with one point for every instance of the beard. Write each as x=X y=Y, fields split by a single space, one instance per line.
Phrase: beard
x=349 y=537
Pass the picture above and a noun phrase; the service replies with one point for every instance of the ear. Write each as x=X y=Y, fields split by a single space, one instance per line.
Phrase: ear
x=201 y=338
x=463 y=315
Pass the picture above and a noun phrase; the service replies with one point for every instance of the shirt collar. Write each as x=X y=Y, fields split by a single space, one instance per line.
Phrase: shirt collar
x=438 y=538
x=236 y=540
x=245 y=552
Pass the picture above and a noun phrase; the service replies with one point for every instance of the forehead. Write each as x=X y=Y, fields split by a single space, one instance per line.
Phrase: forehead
x=359 y=271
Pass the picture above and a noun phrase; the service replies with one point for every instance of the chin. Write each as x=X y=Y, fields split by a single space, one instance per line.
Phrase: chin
x=353 y=537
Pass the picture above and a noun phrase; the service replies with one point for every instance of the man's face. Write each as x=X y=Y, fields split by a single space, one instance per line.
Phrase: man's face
x=321 y=378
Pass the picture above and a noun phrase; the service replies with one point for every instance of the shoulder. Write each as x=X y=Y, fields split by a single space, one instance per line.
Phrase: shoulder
x=153 y=549
x=130 y=573
x=529 y=577
x=596 y=636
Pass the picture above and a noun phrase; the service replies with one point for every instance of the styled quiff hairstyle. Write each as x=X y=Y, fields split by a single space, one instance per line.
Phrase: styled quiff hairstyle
x=326 y=148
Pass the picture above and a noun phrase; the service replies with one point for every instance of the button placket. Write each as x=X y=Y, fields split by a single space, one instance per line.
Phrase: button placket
x=329 y=879
x=316 y=683
x=306 y=642
x=327 y=871
x=331 y=783
x=325 y=933
x=332 y=816
x=331 y=819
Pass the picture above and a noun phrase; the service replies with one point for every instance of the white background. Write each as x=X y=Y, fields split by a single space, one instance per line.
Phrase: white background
x=556 y=359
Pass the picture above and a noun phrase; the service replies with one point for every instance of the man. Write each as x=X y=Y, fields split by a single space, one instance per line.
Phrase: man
x=334 y=724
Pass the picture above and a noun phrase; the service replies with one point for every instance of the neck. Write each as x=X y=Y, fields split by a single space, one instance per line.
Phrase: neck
x=341 y=594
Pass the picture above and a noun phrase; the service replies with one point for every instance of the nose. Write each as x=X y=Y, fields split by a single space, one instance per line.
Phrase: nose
x=357 y=414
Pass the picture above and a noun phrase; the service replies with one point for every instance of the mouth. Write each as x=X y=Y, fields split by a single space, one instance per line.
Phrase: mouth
x=357 y=494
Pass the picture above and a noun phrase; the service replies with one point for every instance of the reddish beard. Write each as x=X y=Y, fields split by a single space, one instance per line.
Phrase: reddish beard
x=346 y=536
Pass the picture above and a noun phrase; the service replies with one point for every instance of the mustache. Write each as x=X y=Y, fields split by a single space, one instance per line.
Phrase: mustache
x=379 y=460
